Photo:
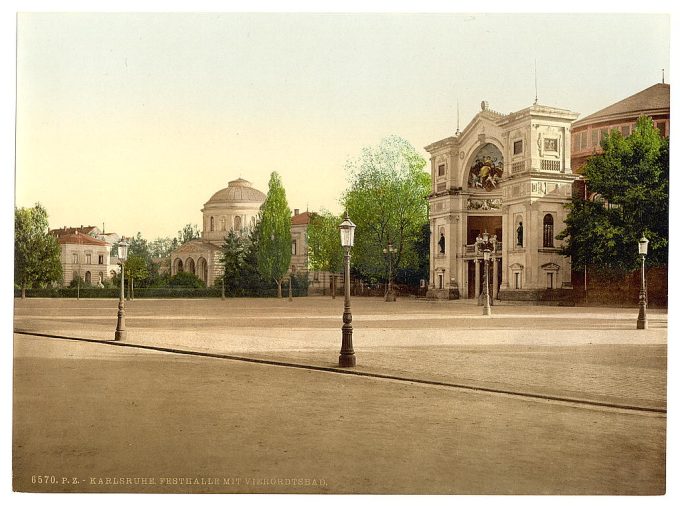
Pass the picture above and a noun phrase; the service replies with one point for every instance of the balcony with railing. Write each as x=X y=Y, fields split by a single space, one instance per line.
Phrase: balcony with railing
x=470 y=251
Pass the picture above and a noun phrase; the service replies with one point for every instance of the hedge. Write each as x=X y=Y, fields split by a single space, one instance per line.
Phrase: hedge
x=161 y=292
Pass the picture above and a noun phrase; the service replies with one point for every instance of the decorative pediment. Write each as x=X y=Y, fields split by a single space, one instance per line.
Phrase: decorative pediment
x=195 y=246
x=550 y=266
x=516 y=266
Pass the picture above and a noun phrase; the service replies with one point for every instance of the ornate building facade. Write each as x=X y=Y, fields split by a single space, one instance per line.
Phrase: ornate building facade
x=510 y=176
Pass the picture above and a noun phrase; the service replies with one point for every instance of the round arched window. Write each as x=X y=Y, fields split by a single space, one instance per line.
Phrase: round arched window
x=548 y=231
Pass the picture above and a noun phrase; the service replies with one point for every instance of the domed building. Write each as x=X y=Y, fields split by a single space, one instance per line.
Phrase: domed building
x=588 y=132
x=232 y=208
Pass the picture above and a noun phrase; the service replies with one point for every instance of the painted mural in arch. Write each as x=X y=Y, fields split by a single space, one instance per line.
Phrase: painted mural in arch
x=486 y=169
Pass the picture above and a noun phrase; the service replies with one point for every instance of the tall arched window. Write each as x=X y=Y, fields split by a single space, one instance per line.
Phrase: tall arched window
x=212 y=224
x=223 y=223
x=548 y=227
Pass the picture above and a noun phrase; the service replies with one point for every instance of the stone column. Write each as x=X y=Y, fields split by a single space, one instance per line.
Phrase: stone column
x=433 y=253
x=477 y=282
x=494 y=292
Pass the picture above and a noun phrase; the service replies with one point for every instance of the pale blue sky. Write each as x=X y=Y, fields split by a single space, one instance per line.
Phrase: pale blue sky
x=179 y=104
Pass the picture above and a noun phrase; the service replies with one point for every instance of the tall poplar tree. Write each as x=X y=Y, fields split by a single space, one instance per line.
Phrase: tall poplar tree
x=274 y=246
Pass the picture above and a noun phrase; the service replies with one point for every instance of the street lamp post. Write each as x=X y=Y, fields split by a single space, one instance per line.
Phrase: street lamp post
x=120 y=327
x=486 y=245
x=389 y=251
x=290 y=287
x=642 y=315
x=487 y=307
x=347 y=357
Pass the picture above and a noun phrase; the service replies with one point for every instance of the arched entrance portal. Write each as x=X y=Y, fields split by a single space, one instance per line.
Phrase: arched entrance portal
x=476 y=226
x=191 y=266
x=203 y=269
x=178 y=266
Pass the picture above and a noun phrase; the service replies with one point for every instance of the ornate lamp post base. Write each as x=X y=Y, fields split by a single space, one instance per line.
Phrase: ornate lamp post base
x=347 y=357
x=390 y=296
x=347 y=360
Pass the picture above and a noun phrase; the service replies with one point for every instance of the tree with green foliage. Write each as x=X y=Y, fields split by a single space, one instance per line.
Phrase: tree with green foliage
x=188 y=233
x=274 y=243
x=629 y=183
x=161 y=247
x=185 y=280
x=135 y=269
x=233 y=257
x=36 y=253
x=323 y=242
x=411 y=275
x=387 y=200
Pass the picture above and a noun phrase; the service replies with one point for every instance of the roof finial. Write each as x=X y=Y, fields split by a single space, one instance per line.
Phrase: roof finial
x=535 y=83
x=457 y=118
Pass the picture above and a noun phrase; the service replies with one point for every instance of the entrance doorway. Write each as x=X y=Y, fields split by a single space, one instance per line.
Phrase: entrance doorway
x=472 y=283
x=477 y=225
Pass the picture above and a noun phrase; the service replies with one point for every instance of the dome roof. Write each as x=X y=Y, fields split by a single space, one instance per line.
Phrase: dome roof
x=238 y=191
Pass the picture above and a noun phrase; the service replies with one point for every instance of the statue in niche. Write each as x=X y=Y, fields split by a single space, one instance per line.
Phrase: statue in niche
x=442 y=244
x=520 y=235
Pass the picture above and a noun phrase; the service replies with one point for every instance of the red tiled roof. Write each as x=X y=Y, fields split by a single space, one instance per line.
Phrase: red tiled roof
x=656 y=97
x=80 y=239
x=71 y=230
x=302 y=219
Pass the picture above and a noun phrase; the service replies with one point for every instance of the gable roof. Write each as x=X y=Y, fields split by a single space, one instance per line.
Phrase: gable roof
x=82 y=239
x=73 y=230
x=654 y=98
x=302 y=219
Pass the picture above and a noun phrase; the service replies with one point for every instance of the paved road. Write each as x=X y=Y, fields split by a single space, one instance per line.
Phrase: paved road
x=88 y=410
x=588 y=353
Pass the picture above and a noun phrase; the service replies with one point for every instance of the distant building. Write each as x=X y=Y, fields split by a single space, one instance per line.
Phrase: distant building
x=587 y=133
x=299 y=261
x=109 y=237
x=232 y=208
x=237 y=207
x=319 y=281
x=85 y=256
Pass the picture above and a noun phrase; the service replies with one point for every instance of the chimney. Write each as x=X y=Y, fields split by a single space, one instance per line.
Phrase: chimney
x=296 y=212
